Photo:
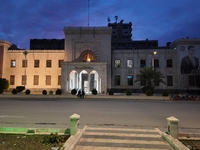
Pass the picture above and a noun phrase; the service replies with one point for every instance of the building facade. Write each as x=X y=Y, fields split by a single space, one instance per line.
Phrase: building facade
x=100 y=58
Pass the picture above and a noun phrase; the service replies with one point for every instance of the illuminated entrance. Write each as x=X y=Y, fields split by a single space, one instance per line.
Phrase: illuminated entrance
x=84 y=80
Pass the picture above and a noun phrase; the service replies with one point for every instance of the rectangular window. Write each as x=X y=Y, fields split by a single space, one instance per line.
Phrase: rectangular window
x=169 y=63
x=169 y=80
x=117 y=79
x=117 y=63
x=36 y=80
x=48 y=63
x=24 y=63
x=13 y=63
x=59 y=80
x=130 y=80
x=191 y=80
x=36 y=63
x=12 y=79
x=60 y=63
x=142 y=63
x=198 y=80
x=156 y=63
x=24 y=79
x=129 y=63
x=48 y=80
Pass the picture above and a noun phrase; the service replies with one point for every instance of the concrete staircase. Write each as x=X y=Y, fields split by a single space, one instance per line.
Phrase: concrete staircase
x=121 y=139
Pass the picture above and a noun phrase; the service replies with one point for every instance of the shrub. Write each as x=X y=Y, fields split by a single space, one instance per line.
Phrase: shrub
x=110 y=92
x=44 y=92
x=94 y=92
x=149 y=93
x=146 y=88
x=58 y=92
x=73 y=92
x=128 y=92
x=28 y=92
x=164 y=93
x=50 y=92
x=4 y=85
x=54 y=139
x=14 y=91
x=20 y=88
x=1 y=91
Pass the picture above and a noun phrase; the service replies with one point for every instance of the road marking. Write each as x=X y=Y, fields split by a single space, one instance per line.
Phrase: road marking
x=7 y=116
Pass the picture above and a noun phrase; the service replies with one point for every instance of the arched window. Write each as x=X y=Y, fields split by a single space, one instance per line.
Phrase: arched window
x=88 y=57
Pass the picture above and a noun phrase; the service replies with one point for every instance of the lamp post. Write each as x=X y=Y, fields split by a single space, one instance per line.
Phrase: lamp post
x=152 y=61
x=25 y=53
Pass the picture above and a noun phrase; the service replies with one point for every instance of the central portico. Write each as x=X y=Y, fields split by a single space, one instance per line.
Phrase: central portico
x=87 y=63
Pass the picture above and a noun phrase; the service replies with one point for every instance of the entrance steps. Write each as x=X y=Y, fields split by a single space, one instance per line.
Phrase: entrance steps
x=121 y=139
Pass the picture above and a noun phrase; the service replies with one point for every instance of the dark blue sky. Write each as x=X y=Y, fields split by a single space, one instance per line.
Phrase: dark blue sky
x=162 y=20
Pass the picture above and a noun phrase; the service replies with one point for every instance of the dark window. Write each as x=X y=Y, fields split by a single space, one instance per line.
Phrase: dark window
x=169 y=63
x=36 y=63
x=191 y=80
x=156 y=63
x=12 y=79
x=117 y=79
x=60 y=63
x=198 y=80
x=36 y=80
x=24 y=79
x=130 y=80
x=142 y=63
x=13 y=63
x=48 y=80
x=169 y=80
x=24 y=63
x=59 y=80
x=48 y=63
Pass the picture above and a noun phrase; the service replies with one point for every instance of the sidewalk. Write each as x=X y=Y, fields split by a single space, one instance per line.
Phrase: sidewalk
x=134 y=96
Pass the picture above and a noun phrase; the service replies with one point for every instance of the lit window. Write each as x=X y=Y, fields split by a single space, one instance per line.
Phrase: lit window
x=129 y=63
x=117 y=63
x=13 y=63
x=88 y=57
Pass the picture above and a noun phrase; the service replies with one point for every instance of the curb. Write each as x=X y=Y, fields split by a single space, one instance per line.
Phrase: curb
x=71 y=143
x=175 y=143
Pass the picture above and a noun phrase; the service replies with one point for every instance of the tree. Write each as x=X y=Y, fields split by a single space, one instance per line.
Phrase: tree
x=4 y=85
x=149 y=75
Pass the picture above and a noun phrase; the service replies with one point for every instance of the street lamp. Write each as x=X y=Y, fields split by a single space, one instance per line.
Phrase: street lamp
x=25 y=53
x=152 y=61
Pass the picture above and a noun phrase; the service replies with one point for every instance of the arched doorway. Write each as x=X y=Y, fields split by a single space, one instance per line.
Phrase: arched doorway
x=84 y=80
x=73 y=80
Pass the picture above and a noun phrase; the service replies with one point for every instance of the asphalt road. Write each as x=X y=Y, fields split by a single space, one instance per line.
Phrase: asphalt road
x=100 y=112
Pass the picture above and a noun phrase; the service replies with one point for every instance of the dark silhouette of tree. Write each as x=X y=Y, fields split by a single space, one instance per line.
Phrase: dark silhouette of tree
x=150 y=75
x=4 y=85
